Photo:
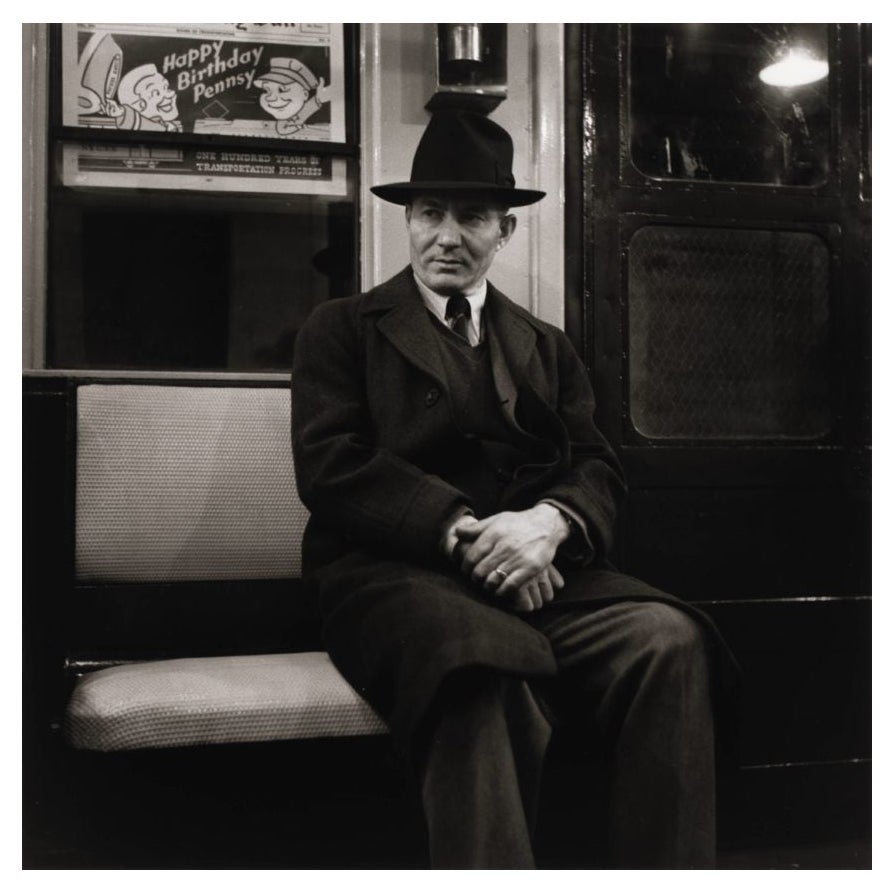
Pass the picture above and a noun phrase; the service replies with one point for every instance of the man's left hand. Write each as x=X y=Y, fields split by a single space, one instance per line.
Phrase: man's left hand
x=508 y=549
x=538 y=591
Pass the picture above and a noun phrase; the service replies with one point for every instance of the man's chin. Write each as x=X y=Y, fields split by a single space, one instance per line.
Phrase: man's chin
x=446 y=282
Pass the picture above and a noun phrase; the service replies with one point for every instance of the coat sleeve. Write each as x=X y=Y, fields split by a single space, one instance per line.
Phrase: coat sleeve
x=592 y=484
x=369 y=495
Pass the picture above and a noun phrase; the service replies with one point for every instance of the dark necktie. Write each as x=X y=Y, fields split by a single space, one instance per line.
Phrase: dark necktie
x=458 y=316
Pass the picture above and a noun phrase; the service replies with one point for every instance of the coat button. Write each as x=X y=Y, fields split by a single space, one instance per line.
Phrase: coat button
x=432 y=396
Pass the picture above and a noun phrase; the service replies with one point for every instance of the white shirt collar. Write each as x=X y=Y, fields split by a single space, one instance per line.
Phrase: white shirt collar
x=437 y=304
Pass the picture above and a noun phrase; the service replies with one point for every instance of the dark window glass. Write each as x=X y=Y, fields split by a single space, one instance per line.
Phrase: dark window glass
x=699 y=109
x=728 y=333
x=182 y=281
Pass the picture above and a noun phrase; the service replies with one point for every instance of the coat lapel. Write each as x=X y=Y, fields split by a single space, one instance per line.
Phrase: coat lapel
x=512 y=340
x=406 y=324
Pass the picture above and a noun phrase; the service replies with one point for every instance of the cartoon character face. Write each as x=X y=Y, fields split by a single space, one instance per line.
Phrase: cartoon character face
x=160 y=101
x=282 y=101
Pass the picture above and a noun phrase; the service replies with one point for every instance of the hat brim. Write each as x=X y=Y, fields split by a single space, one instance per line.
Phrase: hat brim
x=404 y=193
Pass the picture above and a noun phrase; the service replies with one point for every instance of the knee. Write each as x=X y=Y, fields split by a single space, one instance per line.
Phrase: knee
x=665 y=632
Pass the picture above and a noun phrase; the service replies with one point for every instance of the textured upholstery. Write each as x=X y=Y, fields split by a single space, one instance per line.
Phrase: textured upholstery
x=185 y=483
x=179 y=483
x=216 y=700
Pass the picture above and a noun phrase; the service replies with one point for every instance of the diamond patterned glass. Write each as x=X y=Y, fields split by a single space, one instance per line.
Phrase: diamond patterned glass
x=728 y=333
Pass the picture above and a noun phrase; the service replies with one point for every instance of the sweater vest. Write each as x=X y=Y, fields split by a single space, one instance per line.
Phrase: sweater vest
x=481 y=454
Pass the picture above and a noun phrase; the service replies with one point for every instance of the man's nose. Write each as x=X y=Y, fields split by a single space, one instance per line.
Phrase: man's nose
x=448 y=234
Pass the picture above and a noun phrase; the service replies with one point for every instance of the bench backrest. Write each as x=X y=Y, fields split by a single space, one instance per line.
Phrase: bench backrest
x=179 y=483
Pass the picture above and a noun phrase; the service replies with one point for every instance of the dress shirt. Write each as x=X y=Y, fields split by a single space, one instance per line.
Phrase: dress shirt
x=437 y=305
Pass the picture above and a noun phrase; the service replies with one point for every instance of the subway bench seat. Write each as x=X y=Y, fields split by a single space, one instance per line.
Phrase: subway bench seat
x=216 y=700
x=182 y=483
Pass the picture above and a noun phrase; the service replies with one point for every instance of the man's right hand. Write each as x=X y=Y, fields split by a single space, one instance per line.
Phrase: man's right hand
x=450 y=538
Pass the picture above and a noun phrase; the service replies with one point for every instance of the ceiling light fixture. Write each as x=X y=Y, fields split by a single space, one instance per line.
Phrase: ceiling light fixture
x=794 y=70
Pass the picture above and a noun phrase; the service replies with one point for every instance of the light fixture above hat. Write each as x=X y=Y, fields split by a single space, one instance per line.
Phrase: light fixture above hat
x=471 y=67
x=795 y=68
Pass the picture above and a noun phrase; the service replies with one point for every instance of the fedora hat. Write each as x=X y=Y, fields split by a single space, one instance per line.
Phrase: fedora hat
x=461 y=152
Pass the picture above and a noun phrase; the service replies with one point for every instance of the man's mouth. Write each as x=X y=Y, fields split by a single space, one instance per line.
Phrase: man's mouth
x=167 y=105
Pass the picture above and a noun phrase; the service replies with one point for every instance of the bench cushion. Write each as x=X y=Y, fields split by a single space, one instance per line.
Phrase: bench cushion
x=216 y=700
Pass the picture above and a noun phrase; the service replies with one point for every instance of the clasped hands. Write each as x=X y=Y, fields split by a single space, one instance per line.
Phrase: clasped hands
x=509 y=555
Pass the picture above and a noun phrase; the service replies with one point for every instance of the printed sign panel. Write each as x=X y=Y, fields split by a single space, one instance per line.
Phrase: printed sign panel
x=279 y=81
x=218 y=170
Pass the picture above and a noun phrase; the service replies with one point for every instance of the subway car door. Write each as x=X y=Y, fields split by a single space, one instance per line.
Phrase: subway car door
x=723 y=238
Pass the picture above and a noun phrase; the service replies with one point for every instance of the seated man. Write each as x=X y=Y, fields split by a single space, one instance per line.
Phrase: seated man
x=462 y=505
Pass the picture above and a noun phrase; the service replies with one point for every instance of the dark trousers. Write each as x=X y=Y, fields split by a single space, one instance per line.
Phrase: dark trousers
x=633 y=675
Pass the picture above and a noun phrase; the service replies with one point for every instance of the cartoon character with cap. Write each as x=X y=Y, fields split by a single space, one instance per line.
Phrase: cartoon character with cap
x=291 y=94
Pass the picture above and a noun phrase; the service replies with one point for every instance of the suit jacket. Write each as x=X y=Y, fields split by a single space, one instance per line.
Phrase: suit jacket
x=369 y=411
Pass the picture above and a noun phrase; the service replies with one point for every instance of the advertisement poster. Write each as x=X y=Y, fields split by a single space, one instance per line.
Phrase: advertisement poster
x=275 y=81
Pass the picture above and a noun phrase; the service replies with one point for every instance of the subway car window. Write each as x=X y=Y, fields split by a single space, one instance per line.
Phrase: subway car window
x=196 y=231
x=732 y=103
x=185 y=282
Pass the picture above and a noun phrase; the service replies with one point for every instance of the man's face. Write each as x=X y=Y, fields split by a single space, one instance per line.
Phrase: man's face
x=452 y=241
x=160 y=101
x=282 y=101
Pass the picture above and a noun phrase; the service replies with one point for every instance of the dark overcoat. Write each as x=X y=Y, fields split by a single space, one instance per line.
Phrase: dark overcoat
x=370 y=413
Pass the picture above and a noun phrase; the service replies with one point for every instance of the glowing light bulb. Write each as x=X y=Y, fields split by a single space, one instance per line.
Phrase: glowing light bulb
x=794 y=70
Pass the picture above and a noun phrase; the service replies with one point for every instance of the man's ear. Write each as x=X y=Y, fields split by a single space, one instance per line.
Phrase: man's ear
x=407 y=210
x=506 y=229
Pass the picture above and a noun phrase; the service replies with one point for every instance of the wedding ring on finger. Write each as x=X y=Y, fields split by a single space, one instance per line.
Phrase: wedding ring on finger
x=503 y=576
